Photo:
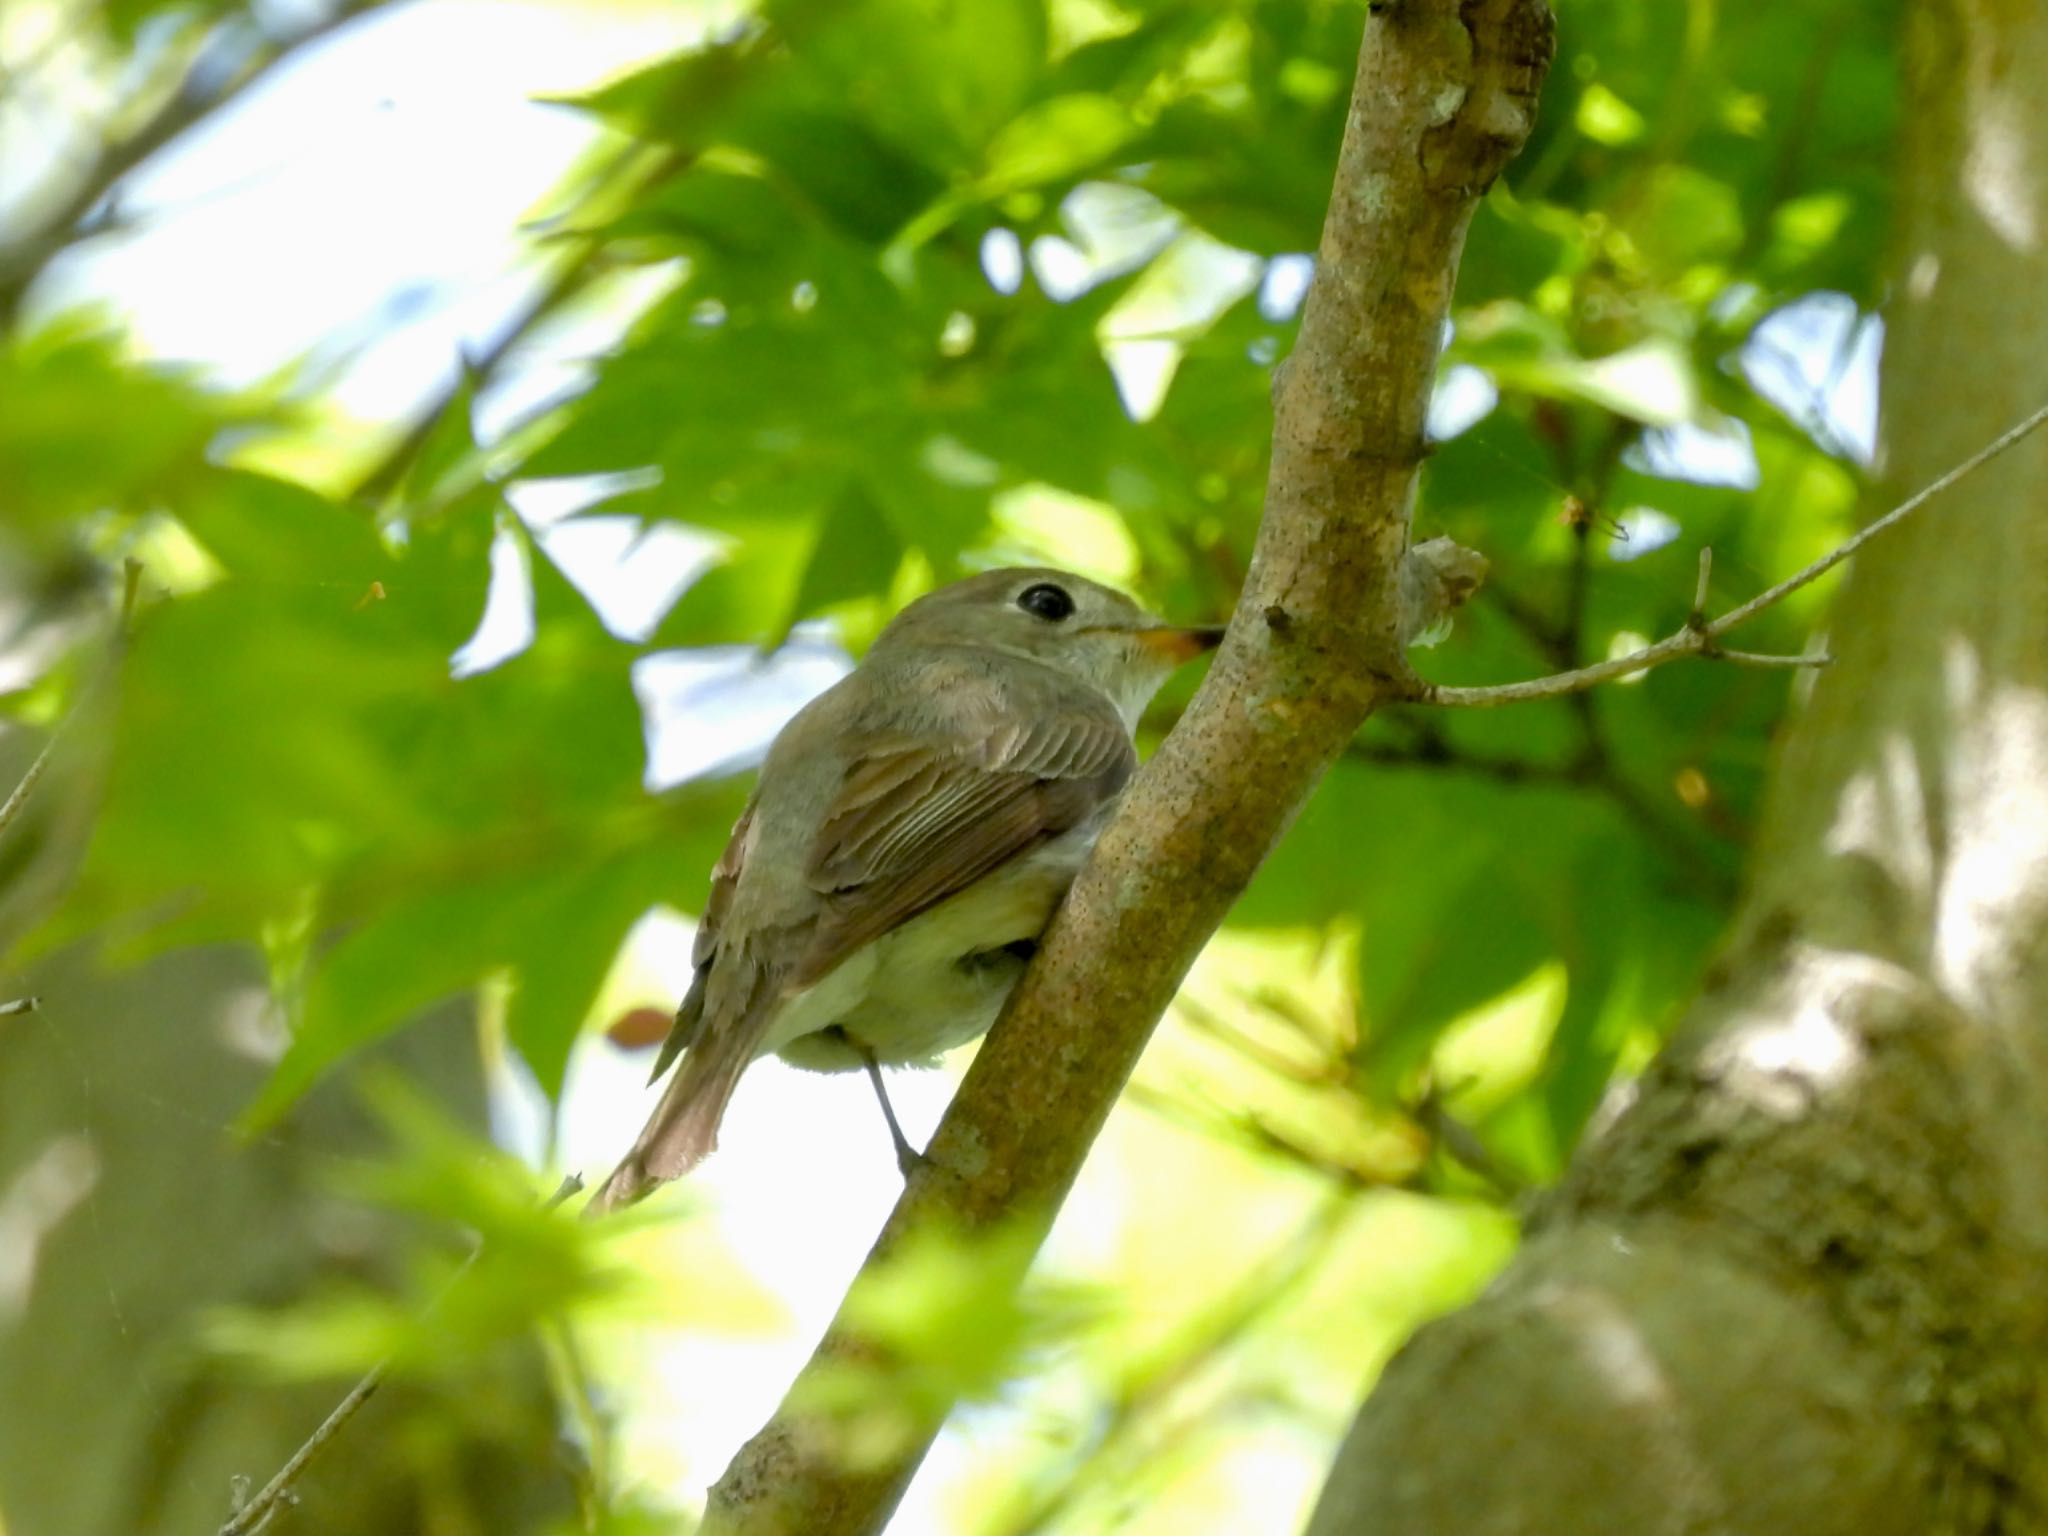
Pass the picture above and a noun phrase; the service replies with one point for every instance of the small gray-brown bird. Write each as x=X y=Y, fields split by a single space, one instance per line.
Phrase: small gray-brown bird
x=913 y=829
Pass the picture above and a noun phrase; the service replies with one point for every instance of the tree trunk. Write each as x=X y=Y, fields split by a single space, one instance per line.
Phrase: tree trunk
x=1795 y=1284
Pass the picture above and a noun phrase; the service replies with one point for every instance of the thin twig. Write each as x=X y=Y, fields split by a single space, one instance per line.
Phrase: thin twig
x=1770 y=660
x=19 y=799
x=251 y=1517
x=2005 y=440
x=131 y=586
x=1592 y=768
x=1701 y=639
x=258 y=1512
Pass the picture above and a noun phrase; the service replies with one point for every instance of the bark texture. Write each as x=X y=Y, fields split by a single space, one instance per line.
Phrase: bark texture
x=1794 y=1285
x=1445 y=96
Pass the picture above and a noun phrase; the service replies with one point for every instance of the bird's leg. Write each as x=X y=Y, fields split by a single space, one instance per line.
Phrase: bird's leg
x=908 y=1158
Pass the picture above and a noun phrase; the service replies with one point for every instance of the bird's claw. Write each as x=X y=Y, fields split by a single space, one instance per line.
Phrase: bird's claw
x=909 y=1160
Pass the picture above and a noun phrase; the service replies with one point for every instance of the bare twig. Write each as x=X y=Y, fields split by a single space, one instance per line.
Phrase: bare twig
x=131 y=586
x=19 y=799
x=1703 y=638
x=2011 y=437
x=1687 y=642
x=277 y=1493
x=253 y=1515
x=1769 y=661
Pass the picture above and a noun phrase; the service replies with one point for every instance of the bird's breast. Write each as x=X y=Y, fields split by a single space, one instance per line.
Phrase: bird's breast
x=940 y=979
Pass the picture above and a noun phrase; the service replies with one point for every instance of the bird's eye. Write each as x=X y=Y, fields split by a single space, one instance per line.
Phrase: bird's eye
x=1047 y=602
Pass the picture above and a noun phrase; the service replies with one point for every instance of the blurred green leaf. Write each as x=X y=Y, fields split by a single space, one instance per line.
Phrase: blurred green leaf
x=856 y=554
x=1683 y=218
x=944 y=1319
x=522 y=1261
x=1605 y=118
x=936 y=77
x=1053 y=141
x=62 y=389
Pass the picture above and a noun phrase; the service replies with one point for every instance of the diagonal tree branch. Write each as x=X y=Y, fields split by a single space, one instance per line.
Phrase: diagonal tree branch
x=1445 y=96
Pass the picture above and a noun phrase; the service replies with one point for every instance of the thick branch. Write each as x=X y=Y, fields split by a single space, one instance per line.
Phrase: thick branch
x=1445 y=95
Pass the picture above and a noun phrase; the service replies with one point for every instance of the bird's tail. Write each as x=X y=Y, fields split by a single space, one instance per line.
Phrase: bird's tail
x=683 y=1130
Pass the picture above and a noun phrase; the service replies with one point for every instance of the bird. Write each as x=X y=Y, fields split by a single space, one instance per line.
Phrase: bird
x=911 y=833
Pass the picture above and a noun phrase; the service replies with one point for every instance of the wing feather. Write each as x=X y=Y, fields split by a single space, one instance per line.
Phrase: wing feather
x=922 y=817
x=725 y=880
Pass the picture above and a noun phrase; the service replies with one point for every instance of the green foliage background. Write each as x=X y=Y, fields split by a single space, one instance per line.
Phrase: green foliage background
x=1489 y=915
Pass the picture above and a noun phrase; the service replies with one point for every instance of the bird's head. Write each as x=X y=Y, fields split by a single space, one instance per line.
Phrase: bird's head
x=1076 y=626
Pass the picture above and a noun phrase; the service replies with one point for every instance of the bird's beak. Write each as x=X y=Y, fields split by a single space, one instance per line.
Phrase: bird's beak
x=1177 y=644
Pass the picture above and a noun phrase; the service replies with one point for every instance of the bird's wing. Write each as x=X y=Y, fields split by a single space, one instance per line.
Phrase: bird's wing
x=725 y=879
x=923 y=815
x=684 y=1126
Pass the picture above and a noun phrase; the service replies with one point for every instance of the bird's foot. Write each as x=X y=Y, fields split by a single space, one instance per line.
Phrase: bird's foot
x=909 y=1160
